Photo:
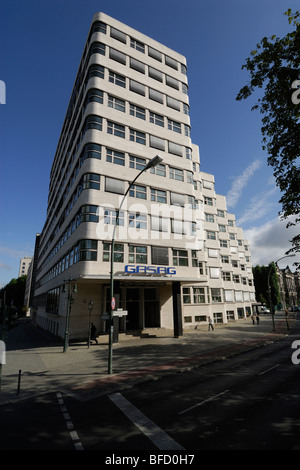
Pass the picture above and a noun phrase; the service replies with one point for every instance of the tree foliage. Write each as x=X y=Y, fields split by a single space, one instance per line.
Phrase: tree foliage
x=261 y=275
x=274 y=68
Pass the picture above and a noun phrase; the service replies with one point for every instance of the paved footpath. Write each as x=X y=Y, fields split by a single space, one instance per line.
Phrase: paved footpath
x=36 y=363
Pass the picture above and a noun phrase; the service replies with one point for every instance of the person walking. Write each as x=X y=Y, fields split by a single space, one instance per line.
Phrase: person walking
x=253 y=318
x=210 y=324
x=93 y=333
x=257 y=319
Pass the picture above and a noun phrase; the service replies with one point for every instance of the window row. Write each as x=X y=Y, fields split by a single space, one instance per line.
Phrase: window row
x=206 y=295
x=139 y=46
x=219 y=317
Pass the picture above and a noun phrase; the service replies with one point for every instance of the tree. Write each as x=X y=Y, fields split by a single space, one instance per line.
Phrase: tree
x=261 y=275
x=274 y=67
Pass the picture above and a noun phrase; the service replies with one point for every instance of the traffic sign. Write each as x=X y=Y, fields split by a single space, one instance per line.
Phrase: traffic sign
x=113 y=303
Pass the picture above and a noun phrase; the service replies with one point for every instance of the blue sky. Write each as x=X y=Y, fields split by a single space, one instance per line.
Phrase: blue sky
x=41 y=46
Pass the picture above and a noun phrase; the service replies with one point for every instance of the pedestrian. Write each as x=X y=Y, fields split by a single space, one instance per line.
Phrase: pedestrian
x=257 y=319
x=93 y=333
x=210 y=324
x=253 y=318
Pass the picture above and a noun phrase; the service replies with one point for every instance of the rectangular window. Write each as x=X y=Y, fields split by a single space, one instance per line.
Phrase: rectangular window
x=137 y=87
x=117 y=55
x=117 y=79
x=210 y=235
x=156 y=74
x=186 y=295
x=156 y=95
x=209 y=218
x=113 y=156
x=171 y=62
x=158 y=195
x=157 y=142
x=138 y=191
x=199 y=295
x=216 y=295
x=119 y=35
x=110 y=217
x=137 y=136
x=113 y=185
x=208 y=201
x=137 y=254
x=116 y=103
x=156 y=119
x=180 y=257
x=155 y=54
x=137 y=162
x=139 y=46
x=174 y=126
x=170 y=81
x=116 y=129
x=137 y=111
x=160 y=255
x=159 y=224
x=137 y=220
x=118 y=252
x=159 y=170
x=137 y=65
x=226 y=276
x=176 y=174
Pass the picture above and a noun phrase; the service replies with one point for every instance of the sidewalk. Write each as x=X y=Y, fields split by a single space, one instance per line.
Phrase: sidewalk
x=82 y=371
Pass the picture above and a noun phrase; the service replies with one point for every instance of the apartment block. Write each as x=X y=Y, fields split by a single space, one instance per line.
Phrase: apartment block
x=178 y=256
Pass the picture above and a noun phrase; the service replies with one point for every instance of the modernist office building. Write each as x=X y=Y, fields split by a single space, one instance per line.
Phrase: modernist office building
x=178 y=257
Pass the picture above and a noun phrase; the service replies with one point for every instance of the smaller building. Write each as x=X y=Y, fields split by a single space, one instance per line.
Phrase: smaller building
x=24 y=265
x=289 y=287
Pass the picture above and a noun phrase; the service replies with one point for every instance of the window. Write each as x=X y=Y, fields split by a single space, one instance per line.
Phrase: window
x=116 y=34
x=137 y=254
x=92 y=122
x=222 y=228
x=174 y=126
x=118 y=252
x=137 y=220
x=229 y=295
x=117 y=55
x=138 y=191
x=137 y=136
x=91 y=181
x=52 y=301
x=99 y=26
x=113 y=156
x=236 y=278
x=156 y=119
x=89 y=213
x=159 y=170
x=214 y=273
x=97 y=48
x=208 y=201
x=187 y=130
x=170 y=81
x=171 y=62
x=158 y=195
x=157 y=142
x=226 y=276
x=110 y=217
x=155 y=54
x=180 y=257
x=116 y=103
x=186 y=109
x=172 y=103
x=90 y=151
x=184 y=88
x=139 y=46
x=137 y=65
x=216 y=295
x=210 y=235
x=137 y=111
x=160 y=255
x=186 y=295
x=177 y=199
x=199 y=295
x=113 y=185
x=230 y=223
x=95 y=71
x=175 y=149
x=159 y=224
x=86 y=250
x=156 y=74
x=137 y=162
x=156 y=95
x=225 y=258
x=209 y=218
x=116 y=129
x=117 y=79
x=94 y=95
x=223 y=243
x=176 y=174
x=195 y=262
x=231 y=236
x=137 y=87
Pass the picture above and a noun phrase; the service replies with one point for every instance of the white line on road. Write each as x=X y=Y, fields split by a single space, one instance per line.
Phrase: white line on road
x=69 y=424
x=267 y=370
x=159 y=437
x=202 y=402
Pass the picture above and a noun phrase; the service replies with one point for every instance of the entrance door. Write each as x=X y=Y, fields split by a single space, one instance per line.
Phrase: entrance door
x=151 y=308
x=132 y=306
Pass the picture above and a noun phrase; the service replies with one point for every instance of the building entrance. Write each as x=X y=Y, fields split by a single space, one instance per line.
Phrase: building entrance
x=143 y=308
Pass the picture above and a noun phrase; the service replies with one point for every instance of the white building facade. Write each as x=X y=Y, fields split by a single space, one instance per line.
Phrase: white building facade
x=179 y=257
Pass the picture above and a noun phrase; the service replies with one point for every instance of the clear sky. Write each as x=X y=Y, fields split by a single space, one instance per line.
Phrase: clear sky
x=41 y=46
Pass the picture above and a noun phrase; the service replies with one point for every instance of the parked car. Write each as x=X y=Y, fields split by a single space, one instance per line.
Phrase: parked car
x=264 y=310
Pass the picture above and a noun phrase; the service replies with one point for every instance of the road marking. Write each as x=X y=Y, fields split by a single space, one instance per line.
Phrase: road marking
x=159 y=437
x=69 y=424
x=267 y=370
x=202 y=402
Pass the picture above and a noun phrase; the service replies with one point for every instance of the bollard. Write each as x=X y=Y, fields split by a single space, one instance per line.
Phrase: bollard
x=19 y=382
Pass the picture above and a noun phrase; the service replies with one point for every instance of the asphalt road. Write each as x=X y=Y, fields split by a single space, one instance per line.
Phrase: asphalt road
x=247 y=402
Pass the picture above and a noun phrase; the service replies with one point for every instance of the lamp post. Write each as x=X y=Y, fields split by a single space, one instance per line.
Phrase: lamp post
x=152 y=163
x=70 y=301
x=269 y=289
x=91 y=306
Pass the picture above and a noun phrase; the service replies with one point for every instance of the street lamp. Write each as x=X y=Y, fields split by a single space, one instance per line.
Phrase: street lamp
x=152 y=163
x=269 y=289
x=70 y=301
x=91 y=306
